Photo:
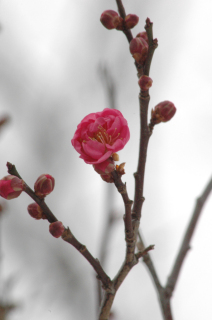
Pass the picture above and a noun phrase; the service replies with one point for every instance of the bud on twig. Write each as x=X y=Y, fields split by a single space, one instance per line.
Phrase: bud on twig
x=143 y=35
x=115 y=156
x=56 y=229
x=111 y=20
x=145 y=82
x=162 y=112
x=105 y=168
x=120 y=168
x=35 y=211
x=44 y=185
x=139 y=49
x=11 y=187
x=130 y=21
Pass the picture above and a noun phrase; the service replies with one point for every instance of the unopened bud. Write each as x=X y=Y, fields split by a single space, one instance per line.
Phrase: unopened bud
x=130 y=21
x=139 y=49
x=120 y=168
x=143 y=35
x=44 y=185
x=56 y=229
x=115 y=156
x=162 y=112
x=145 y=82
x=11 y=187
x=107 y=178
x=35 y=211
x=105 y=167
x=111 y=20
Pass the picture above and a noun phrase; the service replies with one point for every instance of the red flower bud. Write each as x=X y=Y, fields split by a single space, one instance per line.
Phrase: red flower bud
x=143 y=35
x=44 y=185
x=56 y=229
x=145 y=82
x=35 y=211
x=107 y=178
x=111 y=20
x=162 y=112
x=139 y=49
x=105 y=167
x=130 y=21
x=11 y=187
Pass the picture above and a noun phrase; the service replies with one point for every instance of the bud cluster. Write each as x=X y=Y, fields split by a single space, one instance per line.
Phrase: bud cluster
x=111 y=20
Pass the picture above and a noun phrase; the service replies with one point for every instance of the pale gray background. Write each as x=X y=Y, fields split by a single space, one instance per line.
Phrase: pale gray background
x=49 y=56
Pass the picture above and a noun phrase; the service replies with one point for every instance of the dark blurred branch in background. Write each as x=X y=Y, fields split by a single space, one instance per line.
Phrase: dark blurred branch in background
x=165 y=293
x=4 y=120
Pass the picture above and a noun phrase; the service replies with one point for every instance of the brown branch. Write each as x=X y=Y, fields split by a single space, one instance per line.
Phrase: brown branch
x=144 y=252
x=67 y=234
x=131 y=218
x=69 y=237
x=130 y=259
x=185 y=246
x=144 y=139
x=122 y=13
x=145 y=132
x=149 y=263
x=49 y=215
x=129 y=262
x=153 y=43
x=165 y=293
x=121 y=187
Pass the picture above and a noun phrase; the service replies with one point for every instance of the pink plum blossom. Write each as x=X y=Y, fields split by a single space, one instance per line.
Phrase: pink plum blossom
x=101 y=134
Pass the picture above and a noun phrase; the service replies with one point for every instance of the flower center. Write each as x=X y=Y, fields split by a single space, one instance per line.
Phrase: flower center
x=102 y=136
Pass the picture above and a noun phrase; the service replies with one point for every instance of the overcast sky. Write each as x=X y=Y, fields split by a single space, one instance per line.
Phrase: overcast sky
x=50 y=53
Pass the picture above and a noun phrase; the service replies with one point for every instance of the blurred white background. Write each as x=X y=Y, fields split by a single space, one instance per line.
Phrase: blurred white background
x=50 y=52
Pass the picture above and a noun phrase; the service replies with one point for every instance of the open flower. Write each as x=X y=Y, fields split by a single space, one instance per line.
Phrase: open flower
x=101 y=134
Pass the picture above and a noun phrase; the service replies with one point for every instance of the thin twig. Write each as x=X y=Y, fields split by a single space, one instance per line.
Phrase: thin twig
x=144 y=252
x=131 y=218
x=67 y=234
x=153 y=43
x=122 y=13
x=121 y=187
x=185 y=246
x=165 y=293
x=150 y=265
x=145 y=132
